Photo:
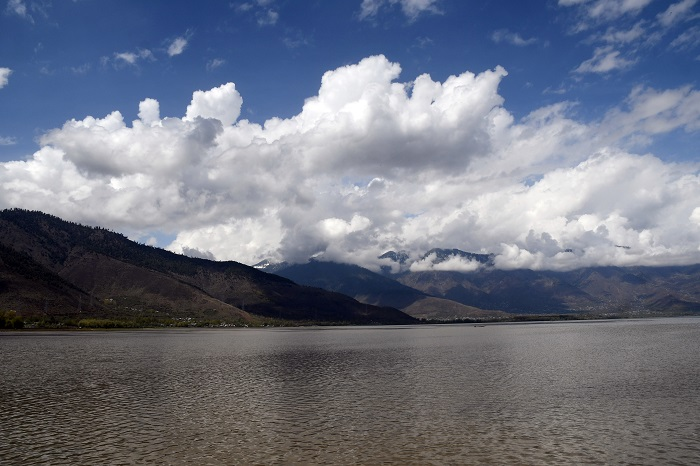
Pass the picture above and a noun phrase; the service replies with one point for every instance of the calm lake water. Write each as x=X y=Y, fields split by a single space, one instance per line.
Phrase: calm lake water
x=602 y=392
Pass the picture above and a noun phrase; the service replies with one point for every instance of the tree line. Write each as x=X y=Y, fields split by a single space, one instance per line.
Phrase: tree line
x=10 y=320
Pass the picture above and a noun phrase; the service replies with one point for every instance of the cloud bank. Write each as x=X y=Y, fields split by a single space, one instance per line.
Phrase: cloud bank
x=370 y=164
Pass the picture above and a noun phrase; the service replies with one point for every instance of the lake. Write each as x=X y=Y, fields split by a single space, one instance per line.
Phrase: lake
x=589 y=392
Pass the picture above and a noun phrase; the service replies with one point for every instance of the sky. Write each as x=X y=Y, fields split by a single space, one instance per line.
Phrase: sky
x=554 y=134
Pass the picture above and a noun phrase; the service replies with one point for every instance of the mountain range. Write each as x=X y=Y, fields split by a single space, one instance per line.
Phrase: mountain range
x=58 y=270
x=452 y=284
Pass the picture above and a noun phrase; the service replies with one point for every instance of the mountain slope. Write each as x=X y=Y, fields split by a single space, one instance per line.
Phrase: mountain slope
x=107 y=268
x=600 y=290
x=445 y=309
x=352 y=280
x=26 y=284
x=372 y=288
x=523 y=291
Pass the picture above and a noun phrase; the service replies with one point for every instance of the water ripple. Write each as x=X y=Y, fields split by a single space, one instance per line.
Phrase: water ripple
x=605 y=393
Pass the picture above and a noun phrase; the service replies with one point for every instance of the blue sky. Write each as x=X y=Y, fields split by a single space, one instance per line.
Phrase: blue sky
x=566 y=85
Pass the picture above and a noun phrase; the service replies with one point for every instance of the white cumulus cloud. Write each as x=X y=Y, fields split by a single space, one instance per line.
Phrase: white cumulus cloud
x=372 y=163
x=222 y=103
x=149 y=112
